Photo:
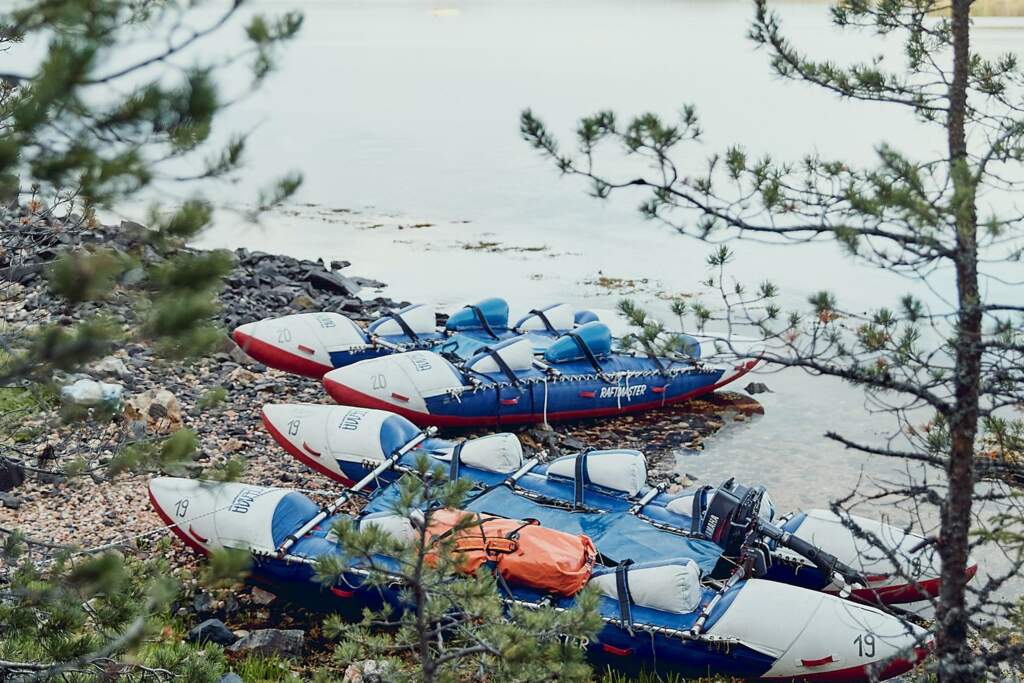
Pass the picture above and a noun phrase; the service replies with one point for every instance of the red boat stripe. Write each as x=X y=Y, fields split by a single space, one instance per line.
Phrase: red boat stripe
x=276 y=357
x=306 y=349
x=297 y=453
x=620 y=651
x=199 y=538
x=170 y=524
x=509 y=401
x=828 y=659
x=905 y=592
x=342 y=593
x=399 y=397
x=587 y=394
x=861 y=673
x=348 y=396
x=306 y=446
x=658 y=390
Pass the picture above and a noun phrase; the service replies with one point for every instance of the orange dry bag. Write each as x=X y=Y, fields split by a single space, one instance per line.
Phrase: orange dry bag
x=523 y=552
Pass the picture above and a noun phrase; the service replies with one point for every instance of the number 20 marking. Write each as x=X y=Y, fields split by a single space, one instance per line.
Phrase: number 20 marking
x=378 y=382
x=865 y=645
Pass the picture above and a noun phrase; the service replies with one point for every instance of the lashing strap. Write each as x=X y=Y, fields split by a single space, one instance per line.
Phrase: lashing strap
x=579 y=477
x=482 y=319
x=502 y=365
x=456 y=462
x=544 y=319
x=622 y=590
x=698 y=509
x=587 y=353
x=406 y=330
x=491 y=546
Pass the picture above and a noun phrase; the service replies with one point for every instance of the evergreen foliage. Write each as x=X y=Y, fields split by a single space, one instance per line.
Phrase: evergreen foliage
x=95 y=122
x=451 y=627
x=932 y=218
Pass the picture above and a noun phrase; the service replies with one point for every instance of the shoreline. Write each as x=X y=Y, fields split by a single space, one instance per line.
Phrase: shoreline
x=161 y=396
x=261 y=285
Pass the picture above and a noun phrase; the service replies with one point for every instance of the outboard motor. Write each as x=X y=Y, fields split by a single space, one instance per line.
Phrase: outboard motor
x=736 y=517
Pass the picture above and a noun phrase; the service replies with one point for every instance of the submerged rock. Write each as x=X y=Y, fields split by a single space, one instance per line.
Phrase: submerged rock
x=755 y=388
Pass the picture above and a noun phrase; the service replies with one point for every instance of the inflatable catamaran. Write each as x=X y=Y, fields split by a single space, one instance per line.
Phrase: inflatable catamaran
x=315 y=343
x=661 y=612
x=578 y=376
x=803 y=549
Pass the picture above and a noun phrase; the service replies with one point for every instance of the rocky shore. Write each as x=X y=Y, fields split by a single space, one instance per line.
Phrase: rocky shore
x=219 y=398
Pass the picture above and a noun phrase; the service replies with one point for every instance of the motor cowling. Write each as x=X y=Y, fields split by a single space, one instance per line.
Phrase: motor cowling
x=727 y=514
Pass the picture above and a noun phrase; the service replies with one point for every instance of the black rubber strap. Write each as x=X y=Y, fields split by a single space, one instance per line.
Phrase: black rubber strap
x=406 y=330
x=456 y=463
x=544 y=319
x=587 y=353
x=579 y=477
x=502 y=365
x=483 y=320
x=622 y=590
x=698 y=509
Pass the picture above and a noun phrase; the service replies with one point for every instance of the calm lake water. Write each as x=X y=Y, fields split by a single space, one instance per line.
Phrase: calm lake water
x=403 y=116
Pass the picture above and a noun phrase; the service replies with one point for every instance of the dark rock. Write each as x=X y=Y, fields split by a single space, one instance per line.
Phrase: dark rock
x=367 y=282
x=211 y=631
x=24 y=273
x=50 y=477
x=333 y=282
x=203 y=603
x=573 y=444
x=262 y=597
x=757 y=388
x=133 y=277
x=12 y=474
x=272 y=641
x=231 y=605
x=338 y=265
x=131 y=227
x=9 y=500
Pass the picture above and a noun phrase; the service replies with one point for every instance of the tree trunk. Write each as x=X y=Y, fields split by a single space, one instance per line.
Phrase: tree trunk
x=951 y=642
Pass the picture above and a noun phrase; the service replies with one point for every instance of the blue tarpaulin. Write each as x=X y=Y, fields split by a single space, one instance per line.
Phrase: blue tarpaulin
x=617 y=535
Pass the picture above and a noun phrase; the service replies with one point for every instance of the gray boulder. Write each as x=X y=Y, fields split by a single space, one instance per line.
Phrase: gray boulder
x=333 y=282
x=211 y=631
x=9 y=500
x=267 y=642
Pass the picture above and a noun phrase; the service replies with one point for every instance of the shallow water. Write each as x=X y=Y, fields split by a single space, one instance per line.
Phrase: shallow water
x=403 y=116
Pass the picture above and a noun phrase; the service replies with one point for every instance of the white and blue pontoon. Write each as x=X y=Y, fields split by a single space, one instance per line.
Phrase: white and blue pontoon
x=345 y=444
x=670 y=618
x=579 y=375
x=315 y=343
